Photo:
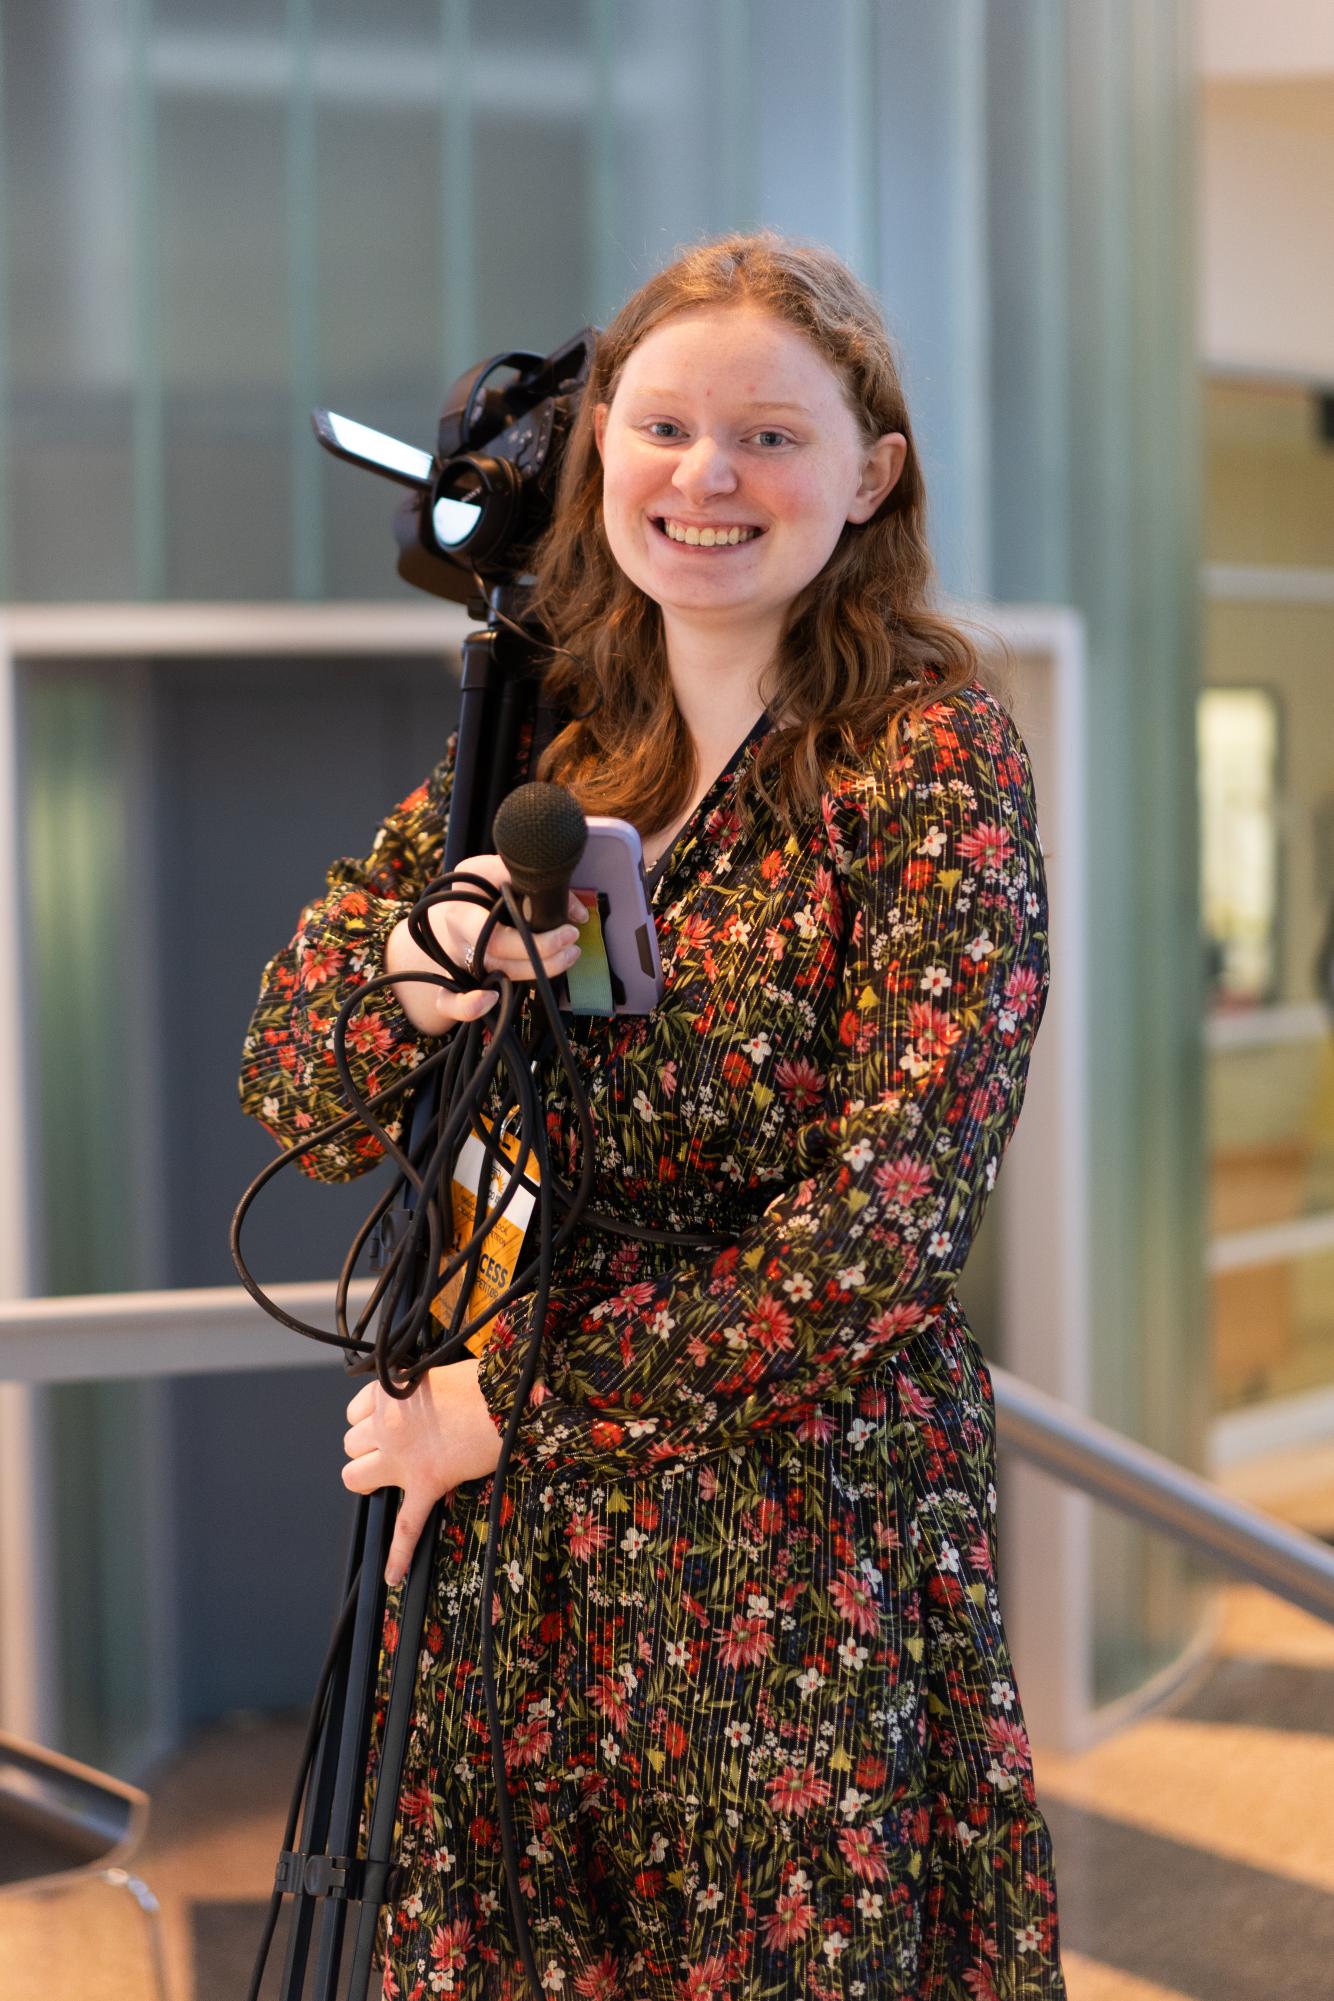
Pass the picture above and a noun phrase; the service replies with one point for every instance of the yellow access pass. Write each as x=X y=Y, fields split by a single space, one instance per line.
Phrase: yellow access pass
x=502 y=1247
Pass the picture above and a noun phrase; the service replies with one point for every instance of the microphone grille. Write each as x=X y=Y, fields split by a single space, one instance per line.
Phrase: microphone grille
x=540 y=827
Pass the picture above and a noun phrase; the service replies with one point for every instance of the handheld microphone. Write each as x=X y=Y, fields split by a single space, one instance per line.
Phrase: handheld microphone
x=540 y=832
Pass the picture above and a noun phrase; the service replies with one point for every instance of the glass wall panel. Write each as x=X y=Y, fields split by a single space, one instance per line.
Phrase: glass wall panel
x=1270 y=648
x=67 y=208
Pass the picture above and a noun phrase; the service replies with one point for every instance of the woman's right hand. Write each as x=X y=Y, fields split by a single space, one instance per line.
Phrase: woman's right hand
x=457 y=926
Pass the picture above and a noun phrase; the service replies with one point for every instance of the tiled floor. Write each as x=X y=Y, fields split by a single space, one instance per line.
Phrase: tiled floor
x=1195 y=1851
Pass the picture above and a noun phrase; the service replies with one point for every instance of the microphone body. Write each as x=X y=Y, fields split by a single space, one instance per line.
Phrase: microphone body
x=540 y=832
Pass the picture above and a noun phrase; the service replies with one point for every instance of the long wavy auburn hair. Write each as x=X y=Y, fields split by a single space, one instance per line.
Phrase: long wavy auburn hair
x=861 y=649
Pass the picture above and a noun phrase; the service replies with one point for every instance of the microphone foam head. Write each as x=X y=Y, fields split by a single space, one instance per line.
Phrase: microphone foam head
x=539 y=829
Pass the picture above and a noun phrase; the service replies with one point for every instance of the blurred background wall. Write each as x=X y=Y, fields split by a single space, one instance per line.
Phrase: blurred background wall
x=214 y=214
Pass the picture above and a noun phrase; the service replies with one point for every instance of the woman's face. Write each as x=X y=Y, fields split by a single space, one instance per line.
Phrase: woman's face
x=730 y=463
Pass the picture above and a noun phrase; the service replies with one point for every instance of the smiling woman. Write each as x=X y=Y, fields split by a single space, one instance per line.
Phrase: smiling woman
x=761 y=1730
x=750 y=385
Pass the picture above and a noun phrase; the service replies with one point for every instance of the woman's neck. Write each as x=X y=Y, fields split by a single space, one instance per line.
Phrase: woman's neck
x=717 y=677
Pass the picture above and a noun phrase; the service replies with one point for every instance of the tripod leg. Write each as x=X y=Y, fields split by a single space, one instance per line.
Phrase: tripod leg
x=319 y=1783
x=393 y=1746
x=354 y=1740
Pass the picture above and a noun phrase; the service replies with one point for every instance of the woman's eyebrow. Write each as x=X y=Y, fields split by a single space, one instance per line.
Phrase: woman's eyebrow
x=669 y=395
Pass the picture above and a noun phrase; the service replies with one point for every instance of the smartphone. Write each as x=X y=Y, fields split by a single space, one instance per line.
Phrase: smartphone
x=618 y=970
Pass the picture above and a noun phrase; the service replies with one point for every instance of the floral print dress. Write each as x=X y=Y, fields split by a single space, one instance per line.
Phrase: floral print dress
x=761 y=1726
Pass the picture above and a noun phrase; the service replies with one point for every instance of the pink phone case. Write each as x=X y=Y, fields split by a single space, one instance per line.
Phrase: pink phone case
x=611 y=871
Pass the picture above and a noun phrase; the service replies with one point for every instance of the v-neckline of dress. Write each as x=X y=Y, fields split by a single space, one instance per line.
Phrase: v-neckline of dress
x=689 y=832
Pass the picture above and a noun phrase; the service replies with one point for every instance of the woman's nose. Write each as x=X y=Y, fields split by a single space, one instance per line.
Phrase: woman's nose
x=703 y=470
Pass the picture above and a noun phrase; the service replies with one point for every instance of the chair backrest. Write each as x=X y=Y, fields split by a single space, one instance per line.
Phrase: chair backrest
x=59 y=1818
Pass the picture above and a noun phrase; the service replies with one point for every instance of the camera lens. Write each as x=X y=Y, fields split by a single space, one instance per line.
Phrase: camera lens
x=457 y=507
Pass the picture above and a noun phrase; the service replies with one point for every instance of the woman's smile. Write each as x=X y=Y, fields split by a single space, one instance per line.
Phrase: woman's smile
x=705 y=534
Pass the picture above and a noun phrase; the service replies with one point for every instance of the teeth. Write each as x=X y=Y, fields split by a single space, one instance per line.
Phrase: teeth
x=709 y=538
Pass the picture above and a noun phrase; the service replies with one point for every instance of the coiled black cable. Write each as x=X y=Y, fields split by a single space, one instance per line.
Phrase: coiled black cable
x=486 y=1085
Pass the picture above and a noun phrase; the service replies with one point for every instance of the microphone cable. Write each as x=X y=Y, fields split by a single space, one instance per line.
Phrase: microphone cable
x=487 y=1088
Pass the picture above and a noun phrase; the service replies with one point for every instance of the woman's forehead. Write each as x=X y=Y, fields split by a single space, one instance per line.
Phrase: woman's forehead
x=743 y=352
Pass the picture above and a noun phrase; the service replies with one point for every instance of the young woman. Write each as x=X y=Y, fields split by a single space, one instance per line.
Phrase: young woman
x=761 y=1721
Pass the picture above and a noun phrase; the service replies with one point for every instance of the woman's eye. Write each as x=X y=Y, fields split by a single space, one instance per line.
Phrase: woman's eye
x=658 y=426
x=772 y=438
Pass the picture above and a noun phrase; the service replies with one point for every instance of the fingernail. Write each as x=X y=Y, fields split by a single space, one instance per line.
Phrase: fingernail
x=582 y=913
x=393 y=1578
x=570 y=954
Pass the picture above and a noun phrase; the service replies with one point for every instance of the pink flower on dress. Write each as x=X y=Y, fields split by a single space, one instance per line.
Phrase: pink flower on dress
x=367 y=1035
x=770 y=1322
x=601 y=1982
x=800 y=1082
x=903 y=1180
x=934 y=1032
x=609 y=1694
x=705 y=1979
x=791 y=1920
x=986 y=844
x=863 y=1853
x=586 y=1535
x=796 y=1792
x=748 y=1642
x=318 y=964
x=1022 y=989
x=449 y=1946
x=855 y=1601
x=896 y=1321
x=529 y=1741
x=1009 y=1741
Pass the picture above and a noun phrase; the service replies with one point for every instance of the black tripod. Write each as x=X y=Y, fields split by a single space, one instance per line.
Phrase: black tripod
x=502 y=727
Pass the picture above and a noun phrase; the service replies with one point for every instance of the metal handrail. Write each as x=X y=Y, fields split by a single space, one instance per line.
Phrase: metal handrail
x=1113 y=1468
x=101 y=1336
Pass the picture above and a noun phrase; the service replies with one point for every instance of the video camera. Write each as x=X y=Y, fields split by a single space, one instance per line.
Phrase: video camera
x=478 y=506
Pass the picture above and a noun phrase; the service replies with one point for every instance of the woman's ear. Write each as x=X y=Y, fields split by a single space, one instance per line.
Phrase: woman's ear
x=881 y=467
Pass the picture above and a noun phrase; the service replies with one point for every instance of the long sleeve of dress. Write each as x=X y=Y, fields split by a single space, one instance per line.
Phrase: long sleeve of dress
x=289 y=1081
x=943 y=981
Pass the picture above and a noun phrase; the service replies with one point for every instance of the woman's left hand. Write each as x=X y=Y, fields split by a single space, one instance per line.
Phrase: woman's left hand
x=426 y=1444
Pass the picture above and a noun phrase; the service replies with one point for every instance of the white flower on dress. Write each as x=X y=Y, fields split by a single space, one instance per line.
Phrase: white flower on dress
x=810 y=1681
x=932 y=842
x=633 y=1541
x=935 y=980
x=644 y=1108
x=871 y=1904
x=798 y=1286
x=1002 y=1694
x=859 y=1155
x=709 y=1900
x=980 y=948
x=852 y=1803
x=834 y=1944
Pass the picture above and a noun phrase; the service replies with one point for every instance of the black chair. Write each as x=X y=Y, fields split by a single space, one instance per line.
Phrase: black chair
x=60 y=1820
